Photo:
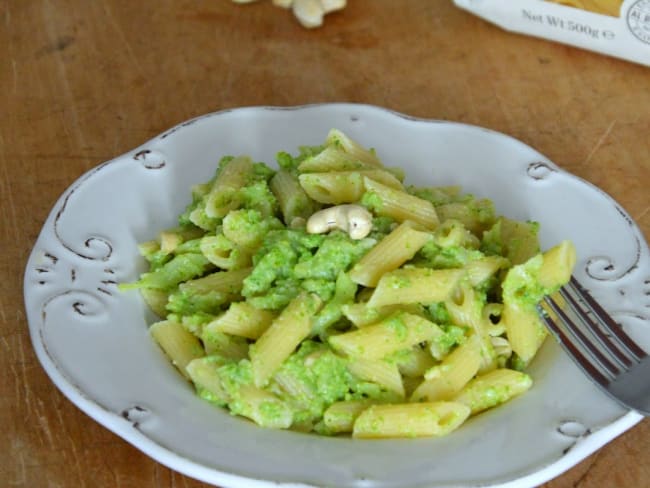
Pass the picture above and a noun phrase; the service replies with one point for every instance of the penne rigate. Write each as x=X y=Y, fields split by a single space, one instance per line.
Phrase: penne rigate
x=400 y=330
x=282 y=337
x=410 y=420
x=415 y=285
x=394 y=250
x=180 y=345
x=326 y=296
x=399 y=205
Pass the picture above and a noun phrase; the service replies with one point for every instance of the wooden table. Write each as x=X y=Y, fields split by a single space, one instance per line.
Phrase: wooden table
x=81 y=82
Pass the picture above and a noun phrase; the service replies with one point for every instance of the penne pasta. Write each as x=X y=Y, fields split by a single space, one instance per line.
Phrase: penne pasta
x=524 y=329
x=296 y=313
x=300 y=394
x=340 y=416
x=227 y=282
x=223 y=252
x=415 y=285
x=475 y=215
x=223 y=194
x=333 y=188
x=400 y=330
x=523 y=287
x=413 y=363
x=332 y=158
x=383 y=176
x=492 y=317
x=482 y=269
x=493 y=388
x=156 y=300
x=377 y=371
x=178 y=344
x=294 y=202
x=514 y=240
x=255 y=403
x=169 y=241
x=557 y=264
x=502 y=348
x=224 y=345
x=465 y=309
x=338 y=139
x=291 y=327
x=410 y=420
x=242 y=319
x=399 y=205
x=204 y=374
x=344 y=186
x=443 y=381
x=452 y=233
x=390 y=253
x=360 y=314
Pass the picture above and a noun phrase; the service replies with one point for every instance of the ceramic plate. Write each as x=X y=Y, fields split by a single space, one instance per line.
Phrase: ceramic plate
x=92 y=339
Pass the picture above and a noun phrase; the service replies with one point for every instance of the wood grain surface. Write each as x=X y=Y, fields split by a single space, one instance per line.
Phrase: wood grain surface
x=84 y=81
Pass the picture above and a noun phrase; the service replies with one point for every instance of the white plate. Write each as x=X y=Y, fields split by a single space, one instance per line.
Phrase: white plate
x=92 y=339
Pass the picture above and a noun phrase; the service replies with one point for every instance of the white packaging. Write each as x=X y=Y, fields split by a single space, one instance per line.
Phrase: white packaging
x=626 y=36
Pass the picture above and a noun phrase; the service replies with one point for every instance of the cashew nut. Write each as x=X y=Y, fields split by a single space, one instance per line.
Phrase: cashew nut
x=333 y=5
x=309 y=13
x=353 y=219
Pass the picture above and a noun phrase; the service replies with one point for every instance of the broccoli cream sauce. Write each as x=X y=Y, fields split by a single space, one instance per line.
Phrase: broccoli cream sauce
x=290 y=260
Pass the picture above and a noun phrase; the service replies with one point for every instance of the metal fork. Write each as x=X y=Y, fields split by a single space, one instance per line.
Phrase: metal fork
x=599 y=346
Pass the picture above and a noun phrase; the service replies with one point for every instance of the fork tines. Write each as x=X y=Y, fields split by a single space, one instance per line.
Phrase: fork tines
x=595 y=341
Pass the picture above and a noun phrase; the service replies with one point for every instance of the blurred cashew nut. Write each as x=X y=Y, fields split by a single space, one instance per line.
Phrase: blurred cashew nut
x=309 y=13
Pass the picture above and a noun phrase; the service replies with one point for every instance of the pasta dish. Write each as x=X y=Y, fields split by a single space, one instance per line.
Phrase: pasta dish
x=328 y=296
